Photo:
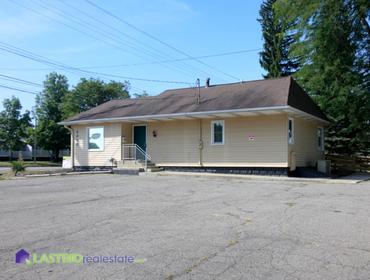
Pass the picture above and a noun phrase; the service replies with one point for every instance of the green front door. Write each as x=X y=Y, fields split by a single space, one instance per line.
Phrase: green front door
x=140 y=136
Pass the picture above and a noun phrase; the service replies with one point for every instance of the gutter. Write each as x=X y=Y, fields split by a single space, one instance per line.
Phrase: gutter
x=70 y=129
x=308 y=115
x=159 y=116
x=190 y=114
x=200 y=144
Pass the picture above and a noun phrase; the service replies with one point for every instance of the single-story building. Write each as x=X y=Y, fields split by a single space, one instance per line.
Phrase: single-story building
x=256 y=125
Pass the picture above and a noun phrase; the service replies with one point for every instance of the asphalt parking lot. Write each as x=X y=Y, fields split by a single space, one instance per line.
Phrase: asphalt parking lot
x=178 y=227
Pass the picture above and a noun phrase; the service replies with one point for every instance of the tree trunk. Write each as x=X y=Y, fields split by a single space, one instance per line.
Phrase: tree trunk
x=20 y=155
x=55 y=155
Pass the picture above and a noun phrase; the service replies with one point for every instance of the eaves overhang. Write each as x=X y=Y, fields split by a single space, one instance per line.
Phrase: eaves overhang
x=199 y=115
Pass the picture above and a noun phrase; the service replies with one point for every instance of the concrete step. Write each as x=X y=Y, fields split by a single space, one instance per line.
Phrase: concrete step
x=131 y=164
x=154 y=169
x=137 y=164
x=126 y=171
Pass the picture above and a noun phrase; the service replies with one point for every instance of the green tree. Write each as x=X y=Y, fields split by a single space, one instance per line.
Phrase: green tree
x=89 y=93
x=334 y=47
x=276 y=58
x=13 y=125
x=50 y=135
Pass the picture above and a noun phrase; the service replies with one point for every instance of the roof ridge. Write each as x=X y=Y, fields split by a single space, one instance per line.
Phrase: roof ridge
x=226 y=84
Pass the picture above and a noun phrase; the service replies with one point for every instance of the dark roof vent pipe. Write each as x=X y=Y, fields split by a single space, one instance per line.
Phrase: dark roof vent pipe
x=207 y=82
x=198 y=94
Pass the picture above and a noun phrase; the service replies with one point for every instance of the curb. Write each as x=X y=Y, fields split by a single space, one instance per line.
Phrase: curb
x=259 y=177
x=67 y=173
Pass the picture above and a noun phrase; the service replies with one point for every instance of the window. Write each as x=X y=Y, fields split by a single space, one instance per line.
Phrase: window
x=320 y=138
x=96 y=138
x=290 y=131
x=218 y=132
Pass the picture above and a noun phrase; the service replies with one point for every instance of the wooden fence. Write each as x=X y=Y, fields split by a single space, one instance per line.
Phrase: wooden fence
x=344 y=164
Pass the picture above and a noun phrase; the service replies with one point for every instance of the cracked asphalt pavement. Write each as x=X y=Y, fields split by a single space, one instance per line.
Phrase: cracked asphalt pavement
x=186 y=227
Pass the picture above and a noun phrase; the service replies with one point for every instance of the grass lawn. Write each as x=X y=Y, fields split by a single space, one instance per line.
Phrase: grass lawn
x=32 y=163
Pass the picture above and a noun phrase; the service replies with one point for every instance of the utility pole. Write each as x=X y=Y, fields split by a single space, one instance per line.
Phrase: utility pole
x=34 y=135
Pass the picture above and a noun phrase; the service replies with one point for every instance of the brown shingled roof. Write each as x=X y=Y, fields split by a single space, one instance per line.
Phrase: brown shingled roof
x=244 y=95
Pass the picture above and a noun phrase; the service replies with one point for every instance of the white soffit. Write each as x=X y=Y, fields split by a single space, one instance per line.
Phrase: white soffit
x=203 y=115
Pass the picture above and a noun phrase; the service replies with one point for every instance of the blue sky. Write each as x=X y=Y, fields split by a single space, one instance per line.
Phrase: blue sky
x=198 y=28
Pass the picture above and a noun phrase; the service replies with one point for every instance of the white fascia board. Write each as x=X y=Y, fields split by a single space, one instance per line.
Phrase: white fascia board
x=164 y=116
x=295 y=110
x=188 y=114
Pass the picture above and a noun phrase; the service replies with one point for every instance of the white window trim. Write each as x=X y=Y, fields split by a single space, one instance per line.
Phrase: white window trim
x=322 y=139
x=212 y=132
x=87 y=136
x=291 y=140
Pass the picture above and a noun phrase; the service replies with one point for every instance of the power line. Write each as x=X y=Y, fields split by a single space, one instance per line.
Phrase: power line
x=21 y=81
x=17 y=80
x=158 y=40
x=66 y=24
x=18 y=89
x=87 y=25
x=104 y=33
x=141 y=44
x=94 y=29
x=29 y=55
x=192 y=58
x=140 y=64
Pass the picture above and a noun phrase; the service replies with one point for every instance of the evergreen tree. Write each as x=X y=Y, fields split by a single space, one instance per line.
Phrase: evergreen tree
x=275 y=57
x=334 y=47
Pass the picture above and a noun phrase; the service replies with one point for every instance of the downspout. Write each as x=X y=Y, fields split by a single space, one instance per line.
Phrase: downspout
x=200 y=144
x=70 y=129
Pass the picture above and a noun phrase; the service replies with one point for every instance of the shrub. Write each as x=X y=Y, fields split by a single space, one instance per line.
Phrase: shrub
x=18 y=166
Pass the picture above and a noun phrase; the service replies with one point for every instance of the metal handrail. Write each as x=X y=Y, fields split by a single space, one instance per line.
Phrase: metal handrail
x=143 y=152
x=133 y=151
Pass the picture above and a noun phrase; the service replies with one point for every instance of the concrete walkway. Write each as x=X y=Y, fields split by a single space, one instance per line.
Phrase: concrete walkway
x=352 y=179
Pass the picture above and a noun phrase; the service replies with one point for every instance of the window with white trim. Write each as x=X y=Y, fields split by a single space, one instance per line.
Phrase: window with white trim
x=320 y=138
x=217 y=132
x=290 y=131
x=95 y=138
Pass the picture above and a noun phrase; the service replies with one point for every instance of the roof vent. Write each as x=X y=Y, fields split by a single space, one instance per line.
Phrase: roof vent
x=207 y=82
x=198 y=95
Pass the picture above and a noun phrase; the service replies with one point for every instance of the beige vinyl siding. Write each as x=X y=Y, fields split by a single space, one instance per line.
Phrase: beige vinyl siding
x=112 y=146
x=305 y=142
x=177 y=142
x=127 y=133
x=268 y=149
